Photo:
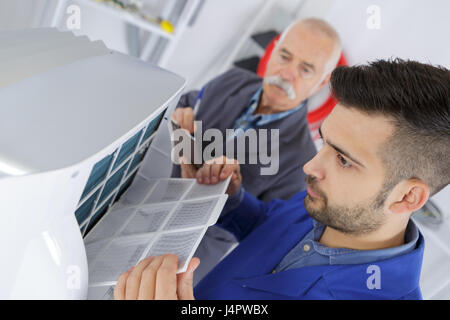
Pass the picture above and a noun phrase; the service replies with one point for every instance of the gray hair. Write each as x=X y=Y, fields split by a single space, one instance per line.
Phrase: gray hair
x=325 y=29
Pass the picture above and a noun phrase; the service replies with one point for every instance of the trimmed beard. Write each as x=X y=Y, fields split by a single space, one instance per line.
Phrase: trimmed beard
x=363 y=218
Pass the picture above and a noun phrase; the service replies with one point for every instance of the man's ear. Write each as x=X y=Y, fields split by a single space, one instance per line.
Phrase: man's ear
x=410 y=196
x=321 y=84
x=326 y=80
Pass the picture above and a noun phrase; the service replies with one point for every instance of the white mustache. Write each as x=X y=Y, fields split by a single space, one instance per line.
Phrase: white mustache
x=286 y=86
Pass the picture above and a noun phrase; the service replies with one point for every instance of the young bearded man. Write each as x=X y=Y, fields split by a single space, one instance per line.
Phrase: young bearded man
x=350 y=234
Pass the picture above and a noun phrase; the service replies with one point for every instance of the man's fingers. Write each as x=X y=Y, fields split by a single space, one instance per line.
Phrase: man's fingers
x=148 y=279
x=187 y=119
x=217 y=169
x=185 y=288
x=187 y=170
x=156 y=278
x=166 y=278
x=215 y=172
x=228 y=169
x=175 y=115
x=119 y=289
x=134 y=280
x=204 y=173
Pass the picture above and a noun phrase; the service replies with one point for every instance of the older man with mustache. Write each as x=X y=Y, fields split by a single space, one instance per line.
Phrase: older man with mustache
x=301 y=64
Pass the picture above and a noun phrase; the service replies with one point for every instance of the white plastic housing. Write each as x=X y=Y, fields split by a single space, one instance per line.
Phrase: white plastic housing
x=56 y=122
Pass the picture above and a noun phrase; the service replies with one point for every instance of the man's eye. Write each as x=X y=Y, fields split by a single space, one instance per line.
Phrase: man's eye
x=305 y=70
x=342 y=162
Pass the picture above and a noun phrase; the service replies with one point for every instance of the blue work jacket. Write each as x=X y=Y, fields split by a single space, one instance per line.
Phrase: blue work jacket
x=268 y=231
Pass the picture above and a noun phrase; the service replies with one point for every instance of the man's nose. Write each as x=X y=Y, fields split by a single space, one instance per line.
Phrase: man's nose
x=314 y=168
x=288 y=73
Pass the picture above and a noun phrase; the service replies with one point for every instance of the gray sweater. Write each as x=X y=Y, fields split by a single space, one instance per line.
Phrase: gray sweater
x=224 y=99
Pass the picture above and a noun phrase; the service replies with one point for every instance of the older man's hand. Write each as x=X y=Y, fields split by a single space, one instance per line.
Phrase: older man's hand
x=214 y=171
x=155 y=278
x=185 y=118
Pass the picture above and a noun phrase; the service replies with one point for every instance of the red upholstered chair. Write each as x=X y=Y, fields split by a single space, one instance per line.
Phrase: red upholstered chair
x=316 y=116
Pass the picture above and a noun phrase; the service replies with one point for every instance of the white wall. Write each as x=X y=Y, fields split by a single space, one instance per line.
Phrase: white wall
x=415 y=29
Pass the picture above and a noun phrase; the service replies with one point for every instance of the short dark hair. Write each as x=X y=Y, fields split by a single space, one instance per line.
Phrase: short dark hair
x=416 y=97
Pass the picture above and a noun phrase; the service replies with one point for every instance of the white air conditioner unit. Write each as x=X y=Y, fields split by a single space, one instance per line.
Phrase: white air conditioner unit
x=76 y=121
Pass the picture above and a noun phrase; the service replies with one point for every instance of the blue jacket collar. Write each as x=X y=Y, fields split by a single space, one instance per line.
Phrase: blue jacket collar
x=399 y=276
